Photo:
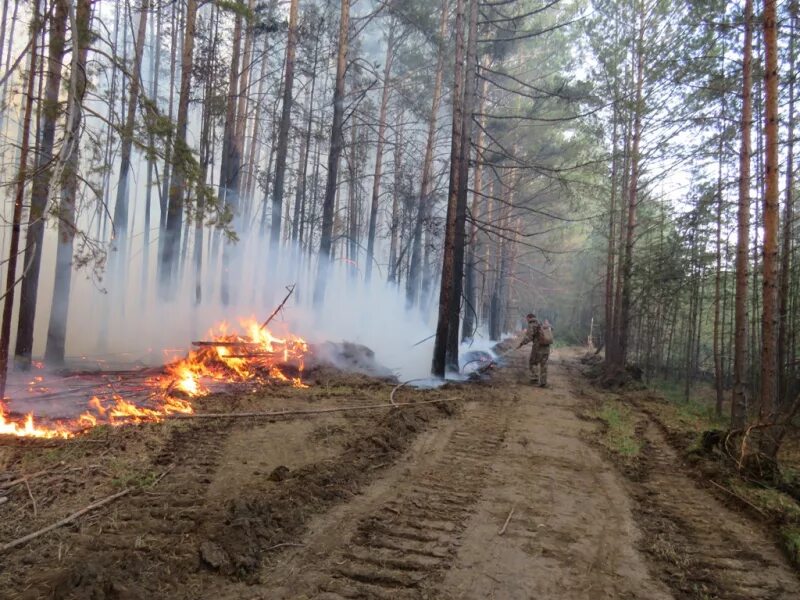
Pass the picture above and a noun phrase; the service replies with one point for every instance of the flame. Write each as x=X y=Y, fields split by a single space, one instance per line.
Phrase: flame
x=250 y=357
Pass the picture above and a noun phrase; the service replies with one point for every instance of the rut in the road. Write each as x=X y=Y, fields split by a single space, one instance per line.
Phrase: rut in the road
x=702 y=549
x=396 y=551
x=148 y=533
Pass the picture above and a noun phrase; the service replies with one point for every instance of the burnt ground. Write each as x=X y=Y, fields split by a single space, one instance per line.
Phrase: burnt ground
x=408 y=503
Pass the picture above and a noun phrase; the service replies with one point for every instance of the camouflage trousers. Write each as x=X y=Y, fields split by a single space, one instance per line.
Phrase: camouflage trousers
x=538 y=364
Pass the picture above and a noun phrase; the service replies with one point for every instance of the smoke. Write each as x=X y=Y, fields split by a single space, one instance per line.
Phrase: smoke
x=123 y=320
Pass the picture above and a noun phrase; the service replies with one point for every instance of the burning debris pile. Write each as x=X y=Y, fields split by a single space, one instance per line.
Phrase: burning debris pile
x=117 y=398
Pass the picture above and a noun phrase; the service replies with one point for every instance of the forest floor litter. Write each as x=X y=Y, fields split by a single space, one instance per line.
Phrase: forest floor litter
x=471 y=490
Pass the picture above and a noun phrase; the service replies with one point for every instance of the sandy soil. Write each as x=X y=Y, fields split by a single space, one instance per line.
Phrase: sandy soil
x=501 y=493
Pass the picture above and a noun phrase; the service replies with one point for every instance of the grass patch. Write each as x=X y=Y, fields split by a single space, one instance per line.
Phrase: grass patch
x=620 y=434
x=791 y=541
x=775 y=503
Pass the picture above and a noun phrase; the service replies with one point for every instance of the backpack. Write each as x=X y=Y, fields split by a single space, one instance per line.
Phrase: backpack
x=545 y=335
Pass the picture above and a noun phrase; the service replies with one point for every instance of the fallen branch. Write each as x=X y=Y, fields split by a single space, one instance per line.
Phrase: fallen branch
x=284 y=545
x=508 y=520
x=66 y=520
x=23 y=479
x=280 y=306
x=33 y=500
x=223 y=344
x=739 y=497
x=273 y=414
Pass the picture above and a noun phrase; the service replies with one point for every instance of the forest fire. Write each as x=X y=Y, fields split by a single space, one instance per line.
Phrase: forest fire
x=257 y=356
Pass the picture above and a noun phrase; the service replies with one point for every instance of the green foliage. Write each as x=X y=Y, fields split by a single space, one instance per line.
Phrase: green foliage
x=791 y=541
x=620 y=435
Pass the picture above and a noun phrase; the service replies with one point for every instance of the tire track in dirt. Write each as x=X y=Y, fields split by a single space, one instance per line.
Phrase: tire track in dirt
x=397 y=551
x=395 y=541
x=694 y=544
x=701 y=548
x=572 y=533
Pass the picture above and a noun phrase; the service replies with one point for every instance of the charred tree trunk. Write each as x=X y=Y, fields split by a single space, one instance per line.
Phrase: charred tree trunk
x=41 y=188
x=439 y=361
x=471 y=66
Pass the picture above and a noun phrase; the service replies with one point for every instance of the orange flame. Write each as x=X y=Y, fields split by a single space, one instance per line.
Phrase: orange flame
x=251 y=357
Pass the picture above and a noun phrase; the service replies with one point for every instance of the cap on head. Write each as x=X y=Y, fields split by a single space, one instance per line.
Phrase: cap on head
x=530 y=316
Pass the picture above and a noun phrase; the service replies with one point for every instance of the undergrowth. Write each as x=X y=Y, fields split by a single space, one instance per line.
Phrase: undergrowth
x=686 y=422
x=620 y=434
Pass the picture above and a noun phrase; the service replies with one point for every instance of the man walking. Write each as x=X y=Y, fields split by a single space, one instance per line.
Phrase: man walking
x=540 y=336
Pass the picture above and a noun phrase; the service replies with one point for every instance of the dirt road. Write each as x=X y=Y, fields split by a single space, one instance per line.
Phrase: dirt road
x=508 y=497
x=573 y=527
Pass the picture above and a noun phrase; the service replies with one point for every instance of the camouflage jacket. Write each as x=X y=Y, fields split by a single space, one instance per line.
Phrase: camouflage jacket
x=532 y=333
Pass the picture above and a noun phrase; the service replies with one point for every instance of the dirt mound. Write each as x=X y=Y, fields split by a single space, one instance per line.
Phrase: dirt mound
x=271 y=517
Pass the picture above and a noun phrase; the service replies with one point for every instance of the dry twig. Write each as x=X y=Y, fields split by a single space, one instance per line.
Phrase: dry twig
x=284 y=545
x=33 y=500
x=508 y=520
x=280 y=306
x=66 y=520
x=739 y=497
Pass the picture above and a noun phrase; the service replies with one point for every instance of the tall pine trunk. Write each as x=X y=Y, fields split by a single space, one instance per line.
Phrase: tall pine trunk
x=155 y=70
x=739 y=401
x=41 y=188
x=439 y=361
x=394 y=225
x=301 y=184
x=376 y=179
x=784 y=350
x=229 y=165
x=633 y=188
x=181 y=156
x=717 y=333
x=120 y=262
x=57 y=326
x=423 y=206
x=283 y=132
x=769 y=322
x=22 y=175
x=471 y=65
x=469 y=324
x=326 y=237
